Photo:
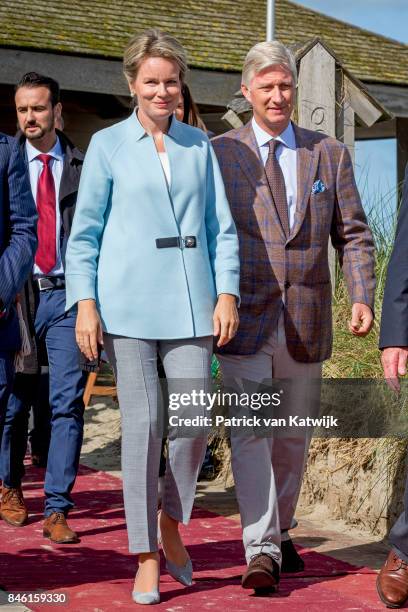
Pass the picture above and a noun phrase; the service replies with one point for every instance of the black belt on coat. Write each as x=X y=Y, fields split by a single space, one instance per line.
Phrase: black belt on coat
x=188 y=242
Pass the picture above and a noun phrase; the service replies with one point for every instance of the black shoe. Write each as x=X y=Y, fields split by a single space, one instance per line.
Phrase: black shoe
x=207 y=472
x=292 y=562
x=39 y=461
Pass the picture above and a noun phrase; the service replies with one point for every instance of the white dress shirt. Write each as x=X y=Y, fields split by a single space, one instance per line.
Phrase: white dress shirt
x=35 y=167
x=287 y=159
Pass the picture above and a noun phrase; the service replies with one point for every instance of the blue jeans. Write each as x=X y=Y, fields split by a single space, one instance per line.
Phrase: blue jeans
x=6 y=382
x=29 y=391
x=55 y=328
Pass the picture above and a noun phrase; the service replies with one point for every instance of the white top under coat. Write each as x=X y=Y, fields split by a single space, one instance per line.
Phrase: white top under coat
x=287 y=158
x=164 y=160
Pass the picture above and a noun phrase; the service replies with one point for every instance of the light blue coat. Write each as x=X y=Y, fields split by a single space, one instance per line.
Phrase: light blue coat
x=123 y=206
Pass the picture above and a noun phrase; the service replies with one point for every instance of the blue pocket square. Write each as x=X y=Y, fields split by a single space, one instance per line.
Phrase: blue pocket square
x=318 y=187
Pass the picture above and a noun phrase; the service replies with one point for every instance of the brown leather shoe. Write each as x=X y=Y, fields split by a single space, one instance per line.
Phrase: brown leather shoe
x=392 y=581
x=13 y=509
x=262 y=574
x=56 y=528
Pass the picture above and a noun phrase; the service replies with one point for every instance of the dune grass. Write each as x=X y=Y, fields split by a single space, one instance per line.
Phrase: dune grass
x=359 y=357
x=355 y=358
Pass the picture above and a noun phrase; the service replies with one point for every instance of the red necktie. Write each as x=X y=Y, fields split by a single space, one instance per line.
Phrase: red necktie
x=46 y=256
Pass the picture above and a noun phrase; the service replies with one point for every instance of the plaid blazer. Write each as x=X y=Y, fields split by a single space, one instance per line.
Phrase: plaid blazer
x=295 y=269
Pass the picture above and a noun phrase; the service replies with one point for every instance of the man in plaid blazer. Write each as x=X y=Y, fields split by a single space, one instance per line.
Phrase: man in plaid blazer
x=290 y=191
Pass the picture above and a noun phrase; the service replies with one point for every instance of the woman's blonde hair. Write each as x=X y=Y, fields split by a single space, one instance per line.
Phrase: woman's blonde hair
x=152 y=43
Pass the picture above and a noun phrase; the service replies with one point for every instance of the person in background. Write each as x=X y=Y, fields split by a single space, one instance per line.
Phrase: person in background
x=34 y=390
x=54 y=166
x=163 y=283
x=18 y=242
x=187 y=110
x=392 y=581
x=32 y=387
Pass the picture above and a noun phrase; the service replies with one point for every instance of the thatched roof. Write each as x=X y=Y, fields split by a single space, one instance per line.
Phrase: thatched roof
x=216 y=33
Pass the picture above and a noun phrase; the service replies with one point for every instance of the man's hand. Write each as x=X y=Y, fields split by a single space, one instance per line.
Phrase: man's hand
x=361 y=319
x=225 y=318
x=394 y=363
x=88 y=329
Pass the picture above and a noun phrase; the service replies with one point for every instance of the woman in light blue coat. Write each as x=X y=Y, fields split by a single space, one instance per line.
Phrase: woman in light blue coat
x=152 y=263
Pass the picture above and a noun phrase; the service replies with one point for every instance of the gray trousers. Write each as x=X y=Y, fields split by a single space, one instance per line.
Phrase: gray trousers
x=187 y=364
x=268 y=471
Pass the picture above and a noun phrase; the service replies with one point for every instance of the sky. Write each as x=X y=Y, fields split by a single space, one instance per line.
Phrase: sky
x=375 y=160
x=386 y=17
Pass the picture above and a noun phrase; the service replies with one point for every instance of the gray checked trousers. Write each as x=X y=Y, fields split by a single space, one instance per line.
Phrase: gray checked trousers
x=268 y=471
x=187 y=364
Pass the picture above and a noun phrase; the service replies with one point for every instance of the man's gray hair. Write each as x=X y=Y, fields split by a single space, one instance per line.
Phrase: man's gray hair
x=266 y=54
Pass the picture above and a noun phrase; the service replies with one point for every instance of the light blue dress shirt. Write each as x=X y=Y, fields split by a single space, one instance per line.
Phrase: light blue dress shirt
x=287 y=158
x=35 y=167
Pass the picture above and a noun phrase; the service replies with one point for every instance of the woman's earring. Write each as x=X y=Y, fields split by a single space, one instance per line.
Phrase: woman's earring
x=132 y=93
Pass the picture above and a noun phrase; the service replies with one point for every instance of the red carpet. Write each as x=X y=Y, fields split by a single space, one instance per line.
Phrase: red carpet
x=96 y=574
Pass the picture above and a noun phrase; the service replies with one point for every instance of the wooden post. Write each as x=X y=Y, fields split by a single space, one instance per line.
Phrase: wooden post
x=317 y=91
x=348 y=130
x=345 y=116
x=92 y=388
x=367 y=112
x=317 y=103
x=352 y=101
x=232 y=119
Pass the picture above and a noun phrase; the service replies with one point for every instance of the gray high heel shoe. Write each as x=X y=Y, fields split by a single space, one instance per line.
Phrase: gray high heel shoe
x=148 y=598
x=151 y=597
x=182 y=574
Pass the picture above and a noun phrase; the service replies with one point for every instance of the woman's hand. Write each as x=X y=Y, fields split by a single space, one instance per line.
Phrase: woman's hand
x=88 y=329
x=225 y=318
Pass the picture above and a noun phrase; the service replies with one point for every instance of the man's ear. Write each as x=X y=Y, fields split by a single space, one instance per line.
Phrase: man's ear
x=246 y=92
x=58 y=110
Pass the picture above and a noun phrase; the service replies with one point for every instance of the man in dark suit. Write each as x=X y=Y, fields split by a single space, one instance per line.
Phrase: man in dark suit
x=18 y=242
x=54 y=166
x=290 y=191
x=392 y=581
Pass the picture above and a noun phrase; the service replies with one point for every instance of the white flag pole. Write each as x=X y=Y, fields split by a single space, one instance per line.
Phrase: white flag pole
x=270 y=20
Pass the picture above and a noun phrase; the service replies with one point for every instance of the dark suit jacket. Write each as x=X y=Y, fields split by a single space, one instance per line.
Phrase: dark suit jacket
x=394 y=319
x=296 y=268
x=71 y=173
x=18 y=242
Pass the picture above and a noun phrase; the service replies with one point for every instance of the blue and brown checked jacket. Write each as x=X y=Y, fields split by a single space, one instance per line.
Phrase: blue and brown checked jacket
x=295 y=271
